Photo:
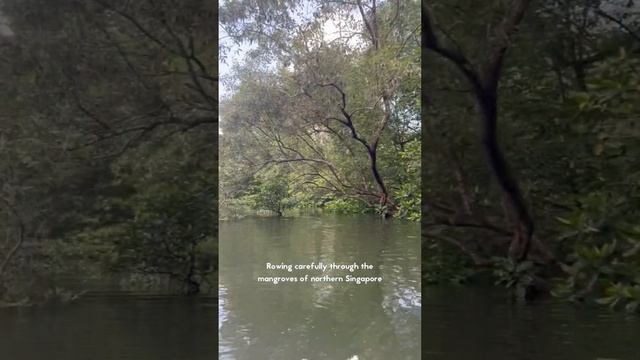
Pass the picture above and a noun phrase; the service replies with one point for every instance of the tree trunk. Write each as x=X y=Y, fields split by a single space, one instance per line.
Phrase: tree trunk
x=193 y=287
x=385 y=201
x=485 y=85
x=524 y=227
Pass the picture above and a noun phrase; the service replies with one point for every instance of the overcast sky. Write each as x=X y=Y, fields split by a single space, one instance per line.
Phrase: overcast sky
x=331 y=29
x=5 y=30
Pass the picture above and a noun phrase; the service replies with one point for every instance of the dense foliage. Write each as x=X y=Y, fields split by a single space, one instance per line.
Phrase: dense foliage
x=329 y=98
x=107 y=143
x=531 y=146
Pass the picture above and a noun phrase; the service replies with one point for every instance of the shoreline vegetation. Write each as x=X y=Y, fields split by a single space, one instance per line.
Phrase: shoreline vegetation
x=530 y=148
x=108 y=146
x=514 y=139
x=321 y=108
x=232 y=213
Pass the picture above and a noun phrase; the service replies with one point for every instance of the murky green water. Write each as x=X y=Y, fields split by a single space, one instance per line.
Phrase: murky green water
x=337 y=321
x=470 y=324
x=115 y=327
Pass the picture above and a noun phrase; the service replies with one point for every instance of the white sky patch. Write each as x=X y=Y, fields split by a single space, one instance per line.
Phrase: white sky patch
x=331 y=30
x=5 y=29
x=344 y=28
x=341 y=29
x=236 y=55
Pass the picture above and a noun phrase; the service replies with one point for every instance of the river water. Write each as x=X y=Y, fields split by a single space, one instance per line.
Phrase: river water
x=112 y=327
x=336 y=321
x=321 y=320
x=478 y=323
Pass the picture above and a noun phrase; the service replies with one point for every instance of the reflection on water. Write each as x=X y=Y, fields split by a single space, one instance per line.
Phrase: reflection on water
x=321 y=320
x=113 y=327
x=471 y=324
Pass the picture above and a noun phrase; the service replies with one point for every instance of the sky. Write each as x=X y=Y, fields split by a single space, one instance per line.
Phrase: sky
x=236 y=54
x=331 y=30
x=5 y=30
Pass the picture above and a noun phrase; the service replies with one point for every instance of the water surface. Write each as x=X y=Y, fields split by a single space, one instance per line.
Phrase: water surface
x=112 y=327
x=479 y=323
x=336 y=321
